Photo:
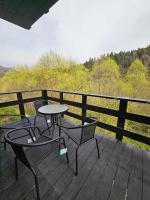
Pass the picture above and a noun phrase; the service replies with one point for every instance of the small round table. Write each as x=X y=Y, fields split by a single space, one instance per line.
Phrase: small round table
x=53 y=110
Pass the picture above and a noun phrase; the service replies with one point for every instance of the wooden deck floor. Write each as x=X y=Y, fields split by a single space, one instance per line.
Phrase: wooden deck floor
x=121 y=173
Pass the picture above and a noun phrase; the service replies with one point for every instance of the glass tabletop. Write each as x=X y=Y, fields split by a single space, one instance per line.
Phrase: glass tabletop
x=53 y=109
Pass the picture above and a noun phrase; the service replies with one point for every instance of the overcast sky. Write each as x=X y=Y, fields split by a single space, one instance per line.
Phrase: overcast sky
x=78 y=29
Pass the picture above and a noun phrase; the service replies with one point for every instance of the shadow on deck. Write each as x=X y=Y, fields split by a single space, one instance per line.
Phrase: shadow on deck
x=122 y=172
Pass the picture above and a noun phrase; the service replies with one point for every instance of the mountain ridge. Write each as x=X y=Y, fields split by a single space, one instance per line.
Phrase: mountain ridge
x=3 y=70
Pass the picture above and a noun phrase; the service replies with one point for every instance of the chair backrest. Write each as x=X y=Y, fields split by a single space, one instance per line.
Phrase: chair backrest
x=88 y=131
x=11 y=124
x=19 y=140
x=39 y=103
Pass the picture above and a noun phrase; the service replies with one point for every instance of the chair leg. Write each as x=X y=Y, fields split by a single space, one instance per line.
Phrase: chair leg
x=16 y=168
x=59 y=139
x=76 y=173
x=5 y=146
x=67 y=157
x=36 y=184
x=48 y=128
x=53 y=130
x=97 y=147
x=59 y=132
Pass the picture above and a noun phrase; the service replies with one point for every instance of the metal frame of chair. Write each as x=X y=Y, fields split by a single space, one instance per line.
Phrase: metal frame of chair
x=87 y=134
x=25 y=120
x=20 y=151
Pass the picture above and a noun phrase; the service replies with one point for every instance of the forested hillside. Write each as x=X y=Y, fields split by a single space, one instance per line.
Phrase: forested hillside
x=125 y=58
x=52 y=71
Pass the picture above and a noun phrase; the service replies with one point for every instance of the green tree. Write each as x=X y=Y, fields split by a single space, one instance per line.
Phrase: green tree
x=136 y=79
x=105 y=76
x=16 y=78
x=54 y=60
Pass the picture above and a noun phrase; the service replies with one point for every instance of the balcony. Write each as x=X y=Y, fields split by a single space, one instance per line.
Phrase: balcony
x=122 y=172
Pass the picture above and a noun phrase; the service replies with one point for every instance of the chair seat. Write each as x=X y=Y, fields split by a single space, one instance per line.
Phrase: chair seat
x=37 y=154
x=75 y=135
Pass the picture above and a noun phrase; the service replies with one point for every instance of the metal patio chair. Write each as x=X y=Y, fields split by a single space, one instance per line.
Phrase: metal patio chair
x=23 y=122
x=81 y=135
x=30 y=146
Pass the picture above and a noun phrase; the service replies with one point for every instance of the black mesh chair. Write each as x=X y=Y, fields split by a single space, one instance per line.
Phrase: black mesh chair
x=30 y=146
x=23 y=122
x=81 y=135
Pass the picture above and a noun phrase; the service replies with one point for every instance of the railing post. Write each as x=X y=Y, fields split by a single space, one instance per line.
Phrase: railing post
x=121 y=118
x=61 y=97
x=21 y=104
x=44 y=95
x=84 y=103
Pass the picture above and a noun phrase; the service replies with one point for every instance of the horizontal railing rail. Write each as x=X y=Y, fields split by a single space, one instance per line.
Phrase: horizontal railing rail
x=121 y=114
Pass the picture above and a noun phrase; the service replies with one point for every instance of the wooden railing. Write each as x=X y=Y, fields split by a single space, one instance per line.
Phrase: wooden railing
x=121 y=114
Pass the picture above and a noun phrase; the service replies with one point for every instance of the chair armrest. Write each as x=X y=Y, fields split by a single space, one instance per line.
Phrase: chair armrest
x=70 y=127
x=34 y=144
x=7 y=128
x=80 y=126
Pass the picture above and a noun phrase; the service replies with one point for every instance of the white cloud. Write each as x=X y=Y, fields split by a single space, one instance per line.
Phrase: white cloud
x=78 y=29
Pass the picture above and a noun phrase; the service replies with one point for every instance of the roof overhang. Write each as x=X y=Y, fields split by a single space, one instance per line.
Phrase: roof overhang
x=24 y=12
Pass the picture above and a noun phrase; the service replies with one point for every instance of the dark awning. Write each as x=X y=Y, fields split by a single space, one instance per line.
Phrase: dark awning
x=24 y=12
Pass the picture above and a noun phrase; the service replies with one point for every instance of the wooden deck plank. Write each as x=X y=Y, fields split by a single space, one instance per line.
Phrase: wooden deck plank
x=135 y=185
x=146 y=175
x=6 y=172
x=118 y=190
x=106 y=180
